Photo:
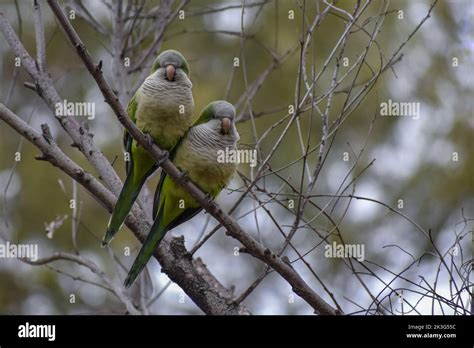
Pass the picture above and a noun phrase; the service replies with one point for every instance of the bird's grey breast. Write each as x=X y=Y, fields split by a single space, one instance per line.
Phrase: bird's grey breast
x=156 y=86
x=207 y=139
x=165 y=98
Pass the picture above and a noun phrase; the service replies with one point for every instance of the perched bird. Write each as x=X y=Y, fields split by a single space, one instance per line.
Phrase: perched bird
x=163 y=109
x=197 y=156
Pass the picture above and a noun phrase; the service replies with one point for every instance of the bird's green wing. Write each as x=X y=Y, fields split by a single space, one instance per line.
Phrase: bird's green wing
x=159 y=187
x=187 y=214
x=132 y=185
x=154 y=237
x=163 y=175
x=159 y=229
x=127 y=138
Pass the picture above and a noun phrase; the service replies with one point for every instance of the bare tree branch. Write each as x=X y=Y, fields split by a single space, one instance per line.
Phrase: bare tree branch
x=190 y=274
x=233 y=228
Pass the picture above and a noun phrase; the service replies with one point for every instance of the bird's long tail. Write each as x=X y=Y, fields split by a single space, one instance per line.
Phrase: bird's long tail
x=130 y=191
x=156 y=234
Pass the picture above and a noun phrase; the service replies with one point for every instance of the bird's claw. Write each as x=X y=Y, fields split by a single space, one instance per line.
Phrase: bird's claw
x=164 y=156
x=208 y=198
x=184 y=176
x=149 y=139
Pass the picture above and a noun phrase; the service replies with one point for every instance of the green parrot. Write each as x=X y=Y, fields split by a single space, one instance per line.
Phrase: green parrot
x=163 y=109
x=199 y=155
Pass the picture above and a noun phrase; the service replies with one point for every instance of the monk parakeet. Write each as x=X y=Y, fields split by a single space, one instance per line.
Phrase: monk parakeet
x=163 y=109
x=196 y=155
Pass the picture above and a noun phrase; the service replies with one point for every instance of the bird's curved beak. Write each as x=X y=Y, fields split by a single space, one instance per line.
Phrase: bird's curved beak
x=225 y=125
x=170 y=72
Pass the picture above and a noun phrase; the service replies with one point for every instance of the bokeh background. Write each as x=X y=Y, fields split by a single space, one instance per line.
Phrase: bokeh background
x=413 y=158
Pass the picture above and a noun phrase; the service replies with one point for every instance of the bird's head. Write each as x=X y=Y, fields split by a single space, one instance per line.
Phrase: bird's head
x=170 y=64
x=219 y=115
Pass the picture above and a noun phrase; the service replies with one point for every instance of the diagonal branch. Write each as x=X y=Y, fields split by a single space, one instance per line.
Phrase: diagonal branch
x=190 y=274
x=45 y=88
x=299 y=286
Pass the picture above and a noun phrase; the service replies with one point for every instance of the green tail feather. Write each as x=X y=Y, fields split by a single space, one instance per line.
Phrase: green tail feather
x=127 y=197
x=153 y=239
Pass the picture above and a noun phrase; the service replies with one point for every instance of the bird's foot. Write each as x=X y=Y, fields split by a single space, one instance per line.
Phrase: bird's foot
x=164 y=156
x=184 y=176
x=209 y=198
x=149 y=139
